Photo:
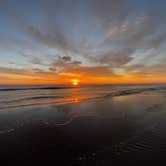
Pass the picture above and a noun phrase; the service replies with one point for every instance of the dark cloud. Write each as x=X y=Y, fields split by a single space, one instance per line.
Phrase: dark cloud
x=63 y=62
x=76 y=62
x=66 y=58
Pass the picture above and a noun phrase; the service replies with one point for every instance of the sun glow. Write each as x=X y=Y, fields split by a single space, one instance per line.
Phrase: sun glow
x=75 y=82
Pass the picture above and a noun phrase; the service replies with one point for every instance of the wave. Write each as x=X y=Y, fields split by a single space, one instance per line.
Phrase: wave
x=131 y=91
x=35 y=88
x=31 y=98
x=44 y=99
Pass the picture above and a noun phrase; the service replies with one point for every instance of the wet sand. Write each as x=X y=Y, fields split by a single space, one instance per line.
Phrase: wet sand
x=122 y=130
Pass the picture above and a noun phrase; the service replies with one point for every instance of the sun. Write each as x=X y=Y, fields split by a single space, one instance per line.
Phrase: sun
x=75 y=82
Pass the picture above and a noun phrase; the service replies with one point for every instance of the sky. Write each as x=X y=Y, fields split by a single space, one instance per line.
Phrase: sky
x=94 y=41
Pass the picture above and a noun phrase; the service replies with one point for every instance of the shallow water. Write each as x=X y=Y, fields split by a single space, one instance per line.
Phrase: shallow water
x=31 y=96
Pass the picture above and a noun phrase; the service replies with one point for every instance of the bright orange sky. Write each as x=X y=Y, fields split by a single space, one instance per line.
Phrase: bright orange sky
x=50 y=79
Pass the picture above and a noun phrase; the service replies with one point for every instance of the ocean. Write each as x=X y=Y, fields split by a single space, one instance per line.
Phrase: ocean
x=31 y=96
x=84 y=125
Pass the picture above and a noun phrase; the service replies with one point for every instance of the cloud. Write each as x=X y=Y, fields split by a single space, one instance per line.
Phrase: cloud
x=66 y=58
x=110 y=10
x=63 y=62
x=20 y=71
x=25 y=72
x=37 y=61
x=116 y=59
x=90 y=71
x=65 y=65
x=133 y=32
x=128 y=37
x=55 y=40
x=142 y=71
x=156 y=41
x=91 y=37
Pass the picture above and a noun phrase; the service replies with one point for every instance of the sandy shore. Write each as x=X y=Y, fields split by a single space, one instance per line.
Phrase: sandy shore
x=128 y=129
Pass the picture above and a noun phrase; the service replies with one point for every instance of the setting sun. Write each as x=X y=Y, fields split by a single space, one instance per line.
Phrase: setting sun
x=75 y=82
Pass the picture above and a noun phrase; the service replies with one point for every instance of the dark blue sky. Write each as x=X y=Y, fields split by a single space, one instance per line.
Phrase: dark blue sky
x=105 y=40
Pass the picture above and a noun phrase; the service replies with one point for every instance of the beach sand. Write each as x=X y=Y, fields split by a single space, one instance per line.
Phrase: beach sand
x=121 y=130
